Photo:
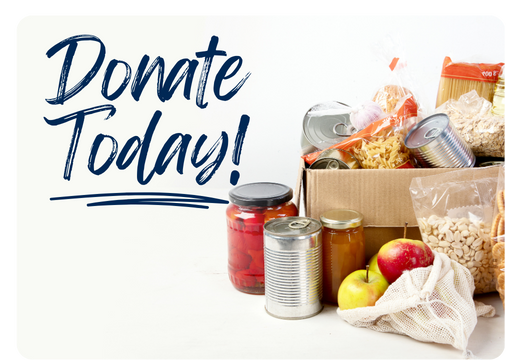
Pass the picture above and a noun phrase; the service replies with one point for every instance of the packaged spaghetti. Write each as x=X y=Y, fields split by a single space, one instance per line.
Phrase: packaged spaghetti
x=479 y=127
x=381 y=144
x=458 y=78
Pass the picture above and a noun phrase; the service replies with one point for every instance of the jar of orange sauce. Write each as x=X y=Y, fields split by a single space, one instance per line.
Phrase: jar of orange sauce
x=343 y=243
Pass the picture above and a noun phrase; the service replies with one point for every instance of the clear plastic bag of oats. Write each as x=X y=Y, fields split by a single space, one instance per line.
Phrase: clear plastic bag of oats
x=455 y=212
x=497 y=235
x=479 y=127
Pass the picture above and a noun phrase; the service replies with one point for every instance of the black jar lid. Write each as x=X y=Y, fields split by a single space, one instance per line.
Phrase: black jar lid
x=260 y=194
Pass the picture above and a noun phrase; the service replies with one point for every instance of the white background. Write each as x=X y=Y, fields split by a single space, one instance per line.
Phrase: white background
x=91 y=279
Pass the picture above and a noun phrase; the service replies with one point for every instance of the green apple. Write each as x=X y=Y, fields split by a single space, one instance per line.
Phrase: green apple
x=361 y=288
x=373 y=264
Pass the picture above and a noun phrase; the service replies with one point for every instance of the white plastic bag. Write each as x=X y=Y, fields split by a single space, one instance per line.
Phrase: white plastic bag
x=430 y=304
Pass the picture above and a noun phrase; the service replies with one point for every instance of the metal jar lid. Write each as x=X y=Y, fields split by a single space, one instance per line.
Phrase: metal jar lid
x=260 y=194
x=327 y=124
x=341 y=219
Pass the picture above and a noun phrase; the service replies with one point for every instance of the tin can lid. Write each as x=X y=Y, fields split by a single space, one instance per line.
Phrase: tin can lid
x=329 y=163
x=426 y=130
x=292 y=226
x=260 y=194
x=341 y=219
x=327 y=124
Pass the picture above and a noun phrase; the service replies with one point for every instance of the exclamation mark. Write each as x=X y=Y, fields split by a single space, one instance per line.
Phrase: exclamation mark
x=236 y=154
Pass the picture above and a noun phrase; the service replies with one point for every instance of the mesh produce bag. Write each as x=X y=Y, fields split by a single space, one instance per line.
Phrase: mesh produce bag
x=430 y=304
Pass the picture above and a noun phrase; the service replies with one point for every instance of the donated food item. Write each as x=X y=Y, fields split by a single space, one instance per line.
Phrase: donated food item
x=388 y=96
x=458 y=78
x=251 y=206
x=498 y=102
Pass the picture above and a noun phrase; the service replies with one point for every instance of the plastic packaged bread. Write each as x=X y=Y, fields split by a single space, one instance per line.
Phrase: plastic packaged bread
x=388 y=96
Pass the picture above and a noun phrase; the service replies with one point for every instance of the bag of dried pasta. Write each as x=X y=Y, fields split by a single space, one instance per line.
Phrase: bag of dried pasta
x=458 y=78
x=381 y=144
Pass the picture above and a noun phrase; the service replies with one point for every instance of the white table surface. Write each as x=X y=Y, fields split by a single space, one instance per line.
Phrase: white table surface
x=167 y=295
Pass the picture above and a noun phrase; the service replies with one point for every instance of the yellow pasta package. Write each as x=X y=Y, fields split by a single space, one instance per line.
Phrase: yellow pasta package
x=458 y=78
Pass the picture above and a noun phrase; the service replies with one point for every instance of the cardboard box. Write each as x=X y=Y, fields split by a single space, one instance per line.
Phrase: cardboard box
x=381 y=195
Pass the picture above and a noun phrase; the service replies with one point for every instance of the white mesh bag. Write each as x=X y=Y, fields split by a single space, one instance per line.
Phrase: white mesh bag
x=430 y=304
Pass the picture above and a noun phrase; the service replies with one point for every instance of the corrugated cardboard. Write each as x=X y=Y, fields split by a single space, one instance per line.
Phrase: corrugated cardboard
x=382 y=196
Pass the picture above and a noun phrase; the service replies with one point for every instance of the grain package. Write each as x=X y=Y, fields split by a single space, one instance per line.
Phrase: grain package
x=454 y=212
x=479 y=127
x=459 y=78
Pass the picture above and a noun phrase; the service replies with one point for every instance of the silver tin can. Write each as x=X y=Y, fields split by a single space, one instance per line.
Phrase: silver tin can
x=324 y=125
x=293 y=267
x=436 y=143
x=335 y=159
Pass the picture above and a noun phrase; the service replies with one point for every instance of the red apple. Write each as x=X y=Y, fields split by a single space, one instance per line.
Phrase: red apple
x=361 y=288
x=399 y=255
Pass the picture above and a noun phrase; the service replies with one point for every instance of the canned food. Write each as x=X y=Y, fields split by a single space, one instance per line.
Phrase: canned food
x=491 y=163
x=335 y=159
x=324 y=125
x=293 y=267
x=435 y=142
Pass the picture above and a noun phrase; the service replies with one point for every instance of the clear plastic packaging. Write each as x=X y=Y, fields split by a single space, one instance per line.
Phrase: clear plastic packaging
x=458 y=78
x=479 y=127
x=381 y=144
x=399 y=82
x=454 y=212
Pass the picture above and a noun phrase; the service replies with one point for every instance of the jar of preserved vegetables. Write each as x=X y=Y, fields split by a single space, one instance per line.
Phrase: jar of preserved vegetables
x=343 y=244
x=251 y=206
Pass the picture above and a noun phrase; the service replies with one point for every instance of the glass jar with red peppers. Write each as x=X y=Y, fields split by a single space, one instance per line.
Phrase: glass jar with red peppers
x=251 y=206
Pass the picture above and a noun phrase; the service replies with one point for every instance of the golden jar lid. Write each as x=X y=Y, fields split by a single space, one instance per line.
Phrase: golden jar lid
x=341 y=219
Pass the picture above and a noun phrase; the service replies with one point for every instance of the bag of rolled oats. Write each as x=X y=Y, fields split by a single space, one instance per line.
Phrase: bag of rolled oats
x=454 y=211
x=481 y=130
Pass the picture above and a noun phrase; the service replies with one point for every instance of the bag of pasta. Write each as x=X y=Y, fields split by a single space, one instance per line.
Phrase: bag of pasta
x=458 y=78
x=381 y=144
x=480 y=129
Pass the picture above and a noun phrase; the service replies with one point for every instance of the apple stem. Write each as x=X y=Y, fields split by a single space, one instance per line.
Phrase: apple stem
x=405 y=229
x=367 y=273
